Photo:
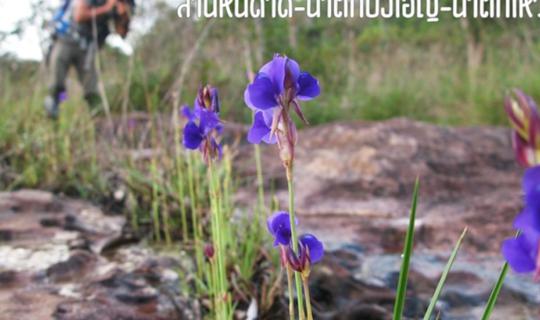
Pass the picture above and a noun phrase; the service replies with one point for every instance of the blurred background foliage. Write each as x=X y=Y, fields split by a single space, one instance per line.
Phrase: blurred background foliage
x=454 y=72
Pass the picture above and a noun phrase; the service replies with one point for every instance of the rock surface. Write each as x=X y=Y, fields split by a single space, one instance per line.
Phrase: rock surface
x=359 y=178
x=61 y=259
x=354 y=184
x=66 y=259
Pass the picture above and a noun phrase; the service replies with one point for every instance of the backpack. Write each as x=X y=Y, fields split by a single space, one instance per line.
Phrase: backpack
x=61 y=19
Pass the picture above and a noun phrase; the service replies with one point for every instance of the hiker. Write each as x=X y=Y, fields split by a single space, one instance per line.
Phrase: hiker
x=81 y=27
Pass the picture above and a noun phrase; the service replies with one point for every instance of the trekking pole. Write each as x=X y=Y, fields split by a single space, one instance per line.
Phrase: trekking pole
x=97 y=64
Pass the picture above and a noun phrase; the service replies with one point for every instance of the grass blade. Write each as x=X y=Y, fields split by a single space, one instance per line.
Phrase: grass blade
x=444 y=275
x=407 y=252
x=496 y=290
x=495 y=293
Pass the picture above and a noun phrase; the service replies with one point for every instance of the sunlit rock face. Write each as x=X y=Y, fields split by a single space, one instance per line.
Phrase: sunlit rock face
x=358 y=177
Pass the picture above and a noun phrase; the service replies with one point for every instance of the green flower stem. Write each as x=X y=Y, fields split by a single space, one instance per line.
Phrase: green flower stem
x=294 y=239
x=291 y=292
x=155 y=201
x=260 y=184
x=194 y=218
x=180 y=178
x=218 y=239
x=305 y=280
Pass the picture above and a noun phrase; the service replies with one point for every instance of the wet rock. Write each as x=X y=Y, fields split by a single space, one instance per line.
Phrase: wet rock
x=66 y=259
x=8 y=278
x=75 y=266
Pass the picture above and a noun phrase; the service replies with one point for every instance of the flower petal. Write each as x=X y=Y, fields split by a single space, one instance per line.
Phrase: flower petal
x=519 y=254
x=209 y=121
x=279 y=226
x=193 y=136
x=523 y=151
x=262 y=94
x=308 y=87
x=275 y=70
x=216 y=104
x=526 y=220
x=247 y=99
x=316 y=248
x=294 y=69
x=259 y=130
x=187 y=113
x=531 y=187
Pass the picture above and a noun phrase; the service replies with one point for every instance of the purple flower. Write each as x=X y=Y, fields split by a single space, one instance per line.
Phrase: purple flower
x=208 y=98
x=62 y=96
x=310 y=252
x=522 y=252
x=310 y=249
x=525 y=120
x=279 y=225
x=278 y=83
x=277 y=88
x=530 y=216
x=203 y=124
x=262 y=129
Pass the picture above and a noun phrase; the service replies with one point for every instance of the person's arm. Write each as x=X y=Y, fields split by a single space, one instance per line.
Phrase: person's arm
x=83 y=12
x=122 y=20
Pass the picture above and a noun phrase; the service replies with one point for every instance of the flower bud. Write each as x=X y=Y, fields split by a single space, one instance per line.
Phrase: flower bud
x=525 y=120
x=209 y=251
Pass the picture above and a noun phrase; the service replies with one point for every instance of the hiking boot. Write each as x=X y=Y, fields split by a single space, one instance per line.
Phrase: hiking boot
x=94 y=104
x=52 y=107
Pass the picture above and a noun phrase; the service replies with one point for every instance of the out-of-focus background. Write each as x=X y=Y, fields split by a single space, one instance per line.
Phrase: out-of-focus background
x=400 y=98
x=450 y=72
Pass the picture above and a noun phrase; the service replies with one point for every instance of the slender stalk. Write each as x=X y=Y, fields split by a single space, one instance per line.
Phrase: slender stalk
x=305 y=280
x=212 y=286
x=401 y=293
x=166 y=218
x=294 y=239
x=155 y=201
x=490 y=305
x=291 y=292
x=440 y=285
x=180 y=179
x=495 y=293
x=194 y=218
x=218 y=240
x=260 y=183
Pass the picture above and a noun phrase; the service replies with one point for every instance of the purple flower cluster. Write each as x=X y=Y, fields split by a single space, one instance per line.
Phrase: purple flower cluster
x=310 y=249
x=278 y=88
x=204 y=126
x=522 y=252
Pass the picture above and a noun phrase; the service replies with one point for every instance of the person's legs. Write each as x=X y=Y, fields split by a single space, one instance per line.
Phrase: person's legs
x=86 y=71
x=60 y=61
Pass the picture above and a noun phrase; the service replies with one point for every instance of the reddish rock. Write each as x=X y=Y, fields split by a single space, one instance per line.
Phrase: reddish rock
x=358 y=178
